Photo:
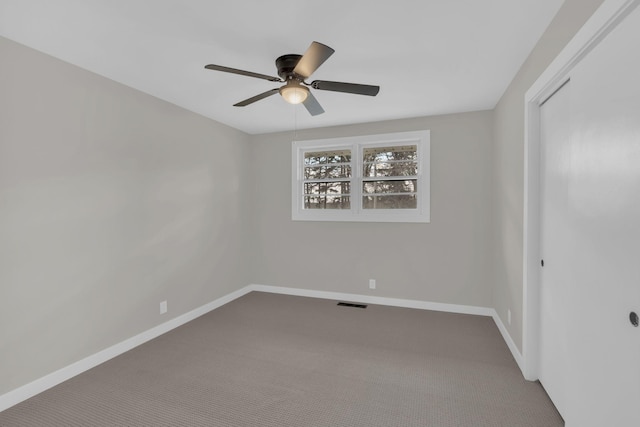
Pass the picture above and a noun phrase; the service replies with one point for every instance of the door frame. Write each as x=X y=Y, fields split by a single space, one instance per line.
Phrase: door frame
x=603 y=21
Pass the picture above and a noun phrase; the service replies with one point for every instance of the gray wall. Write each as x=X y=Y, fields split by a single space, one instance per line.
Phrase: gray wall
x=448 y=260
x=508 y=150
x=110 y=201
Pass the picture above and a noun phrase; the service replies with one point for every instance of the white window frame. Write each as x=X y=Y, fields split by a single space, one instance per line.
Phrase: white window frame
x=357 y=144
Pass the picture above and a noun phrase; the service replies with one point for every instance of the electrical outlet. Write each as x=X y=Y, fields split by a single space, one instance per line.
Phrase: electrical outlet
x=163 y=307
x=509 y=316
x=372 y=283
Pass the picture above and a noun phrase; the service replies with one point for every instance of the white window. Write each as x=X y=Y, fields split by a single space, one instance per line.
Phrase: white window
x=383 y=178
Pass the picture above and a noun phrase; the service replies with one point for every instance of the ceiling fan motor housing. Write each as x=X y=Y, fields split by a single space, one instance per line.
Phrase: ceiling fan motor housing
x=285 y=65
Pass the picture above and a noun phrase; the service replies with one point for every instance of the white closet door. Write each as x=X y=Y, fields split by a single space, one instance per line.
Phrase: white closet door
x=590 y=236
x=556 y=284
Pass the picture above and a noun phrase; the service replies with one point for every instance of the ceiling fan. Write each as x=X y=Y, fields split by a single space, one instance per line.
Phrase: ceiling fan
x=293 y=71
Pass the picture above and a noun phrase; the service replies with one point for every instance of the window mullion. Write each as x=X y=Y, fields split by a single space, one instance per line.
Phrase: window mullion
x=390 y=161
x=408 y=193
x=345 y=179
x=320 y=165
x=390 y=178
x=356 y=186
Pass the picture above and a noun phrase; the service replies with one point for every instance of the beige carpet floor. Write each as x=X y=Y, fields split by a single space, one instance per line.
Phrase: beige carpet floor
x=276 y=361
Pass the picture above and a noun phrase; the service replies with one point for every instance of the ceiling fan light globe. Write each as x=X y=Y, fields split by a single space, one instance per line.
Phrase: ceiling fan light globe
x=294 y=94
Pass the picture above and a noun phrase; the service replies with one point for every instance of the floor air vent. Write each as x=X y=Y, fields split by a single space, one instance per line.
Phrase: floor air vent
x=350 y=304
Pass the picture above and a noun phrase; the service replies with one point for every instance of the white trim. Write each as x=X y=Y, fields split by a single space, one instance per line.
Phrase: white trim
x=24 y=392
x=508 y=340
x=405 y=303
x=368 y=299
x=355 y=145
x=603 y=21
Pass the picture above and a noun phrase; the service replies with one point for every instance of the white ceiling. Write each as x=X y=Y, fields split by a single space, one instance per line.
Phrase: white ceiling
x=428 y=56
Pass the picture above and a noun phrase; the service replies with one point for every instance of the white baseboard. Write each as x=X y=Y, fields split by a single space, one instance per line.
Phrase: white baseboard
x=507 y=339
x=405 y=303
x=394 y=302
x=20 y=394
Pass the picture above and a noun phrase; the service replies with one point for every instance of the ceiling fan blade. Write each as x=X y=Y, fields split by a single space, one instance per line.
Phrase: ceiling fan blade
x=256 y=98
x=242 y=72
x=312 y=105
x=346 y=87
x=313 y=58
